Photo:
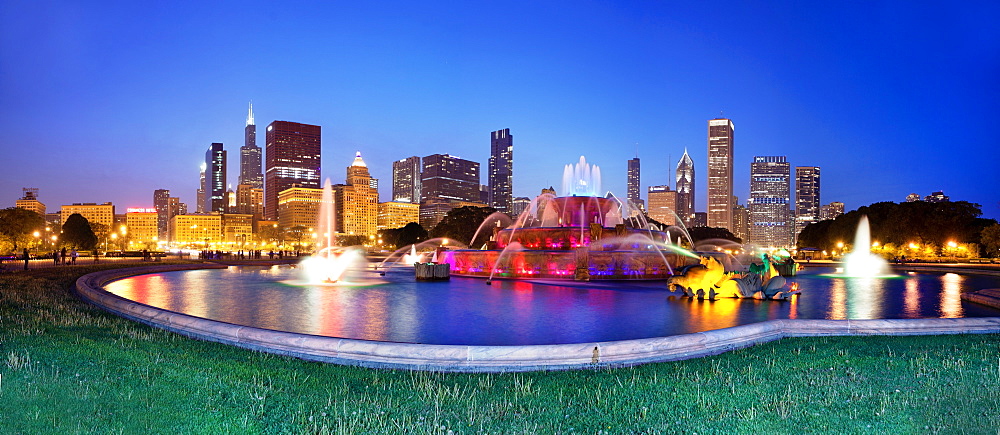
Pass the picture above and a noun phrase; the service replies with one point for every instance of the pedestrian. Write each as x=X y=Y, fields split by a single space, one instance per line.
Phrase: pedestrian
x=62 y=255
x=73 y=254
x=55 y=257
x=26 y=258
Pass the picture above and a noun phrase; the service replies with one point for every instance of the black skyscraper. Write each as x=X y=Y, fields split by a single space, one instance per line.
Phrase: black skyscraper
x=250 y=156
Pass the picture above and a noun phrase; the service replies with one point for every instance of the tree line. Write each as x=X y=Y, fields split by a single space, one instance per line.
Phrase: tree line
x=931 y=224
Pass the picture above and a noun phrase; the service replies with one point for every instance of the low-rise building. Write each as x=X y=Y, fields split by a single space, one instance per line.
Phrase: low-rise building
x=394 y=214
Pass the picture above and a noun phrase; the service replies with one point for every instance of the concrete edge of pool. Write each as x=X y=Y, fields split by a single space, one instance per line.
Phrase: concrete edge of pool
x=462 y=358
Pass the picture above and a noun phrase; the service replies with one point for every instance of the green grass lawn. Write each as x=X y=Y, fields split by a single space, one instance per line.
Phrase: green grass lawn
x=67 y=367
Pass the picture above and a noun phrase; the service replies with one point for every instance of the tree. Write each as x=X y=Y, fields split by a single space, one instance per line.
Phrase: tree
x=461 y=223
x=990 y=238
x=271 y=234
x=77 y=232
x=922 y=223
x=17 y=225
x=297 y=233
x=706 y=233
x=410 y=234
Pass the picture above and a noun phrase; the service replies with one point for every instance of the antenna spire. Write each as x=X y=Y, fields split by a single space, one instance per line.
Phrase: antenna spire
x=250 y=114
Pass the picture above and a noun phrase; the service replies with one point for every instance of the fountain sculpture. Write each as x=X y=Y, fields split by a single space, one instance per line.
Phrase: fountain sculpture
x=710 y=280
x=579 y=235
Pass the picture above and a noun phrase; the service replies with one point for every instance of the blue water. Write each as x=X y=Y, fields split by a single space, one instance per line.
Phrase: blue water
x=468 y=311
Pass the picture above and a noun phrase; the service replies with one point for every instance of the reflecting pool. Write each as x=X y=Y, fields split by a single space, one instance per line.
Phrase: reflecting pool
x=509 y=312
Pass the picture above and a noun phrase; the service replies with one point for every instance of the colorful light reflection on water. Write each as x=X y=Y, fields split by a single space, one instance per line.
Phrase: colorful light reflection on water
x=467 y=311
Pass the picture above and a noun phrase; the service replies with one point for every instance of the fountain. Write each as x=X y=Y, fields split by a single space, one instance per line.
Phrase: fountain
x=331 y=264
x=579 y=235
x=861 y=263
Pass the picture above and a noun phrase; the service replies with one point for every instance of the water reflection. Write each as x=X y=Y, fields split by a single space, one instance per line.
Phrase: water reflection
x=951 y=291
x=466 y=311
x=911 y=298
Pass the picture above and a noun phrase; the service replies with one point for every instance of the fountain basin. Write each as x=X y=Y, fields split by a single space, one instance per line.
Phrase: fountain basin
x=586 y=354
x=562 y=264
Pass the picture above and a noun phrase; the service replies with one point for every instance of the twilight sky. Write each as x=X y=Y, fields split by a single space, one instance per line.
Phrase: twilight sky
x=107 y=101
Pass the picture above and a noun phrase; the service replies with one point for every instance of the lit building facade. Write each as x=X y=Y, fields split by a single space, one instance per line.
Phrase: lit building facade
x=741 y=223
x=832 y=210
x=103 y=214
x=449 y=177
x=250 y=200
x=299 y=206
x=200 y=197
x=662 y=204
x=250 y=155
x=29 y=201
x=501 y=167
x=395 y=214
x=433 y=210
x=292 y=157
x=406 y=180
x=807 y=205
x=720 y=173
x=684 y=181
x=143 y=227
x=215 y=179
x=237 y=230
x=769 y=202
x=519 y=205
x=196 y=230
x=356 y=202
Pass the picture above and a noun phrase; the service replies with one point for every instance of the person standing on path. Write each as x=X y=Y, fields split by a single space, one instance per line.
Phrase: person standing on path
x=26 y=258
x=73 y=254
x=62 y=255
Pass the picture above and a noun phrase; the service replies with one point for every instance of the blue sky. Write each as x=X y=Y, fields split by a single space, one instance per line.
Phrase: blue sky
x=109 y=101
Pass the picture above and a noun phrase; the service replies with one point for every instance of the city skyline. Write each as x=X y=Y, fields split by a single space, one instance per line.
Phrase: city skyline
x=135 y=115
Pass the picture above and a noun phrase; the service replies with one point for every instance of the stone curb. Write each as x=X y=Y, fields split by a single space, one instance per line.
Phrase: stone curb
x=460 y=358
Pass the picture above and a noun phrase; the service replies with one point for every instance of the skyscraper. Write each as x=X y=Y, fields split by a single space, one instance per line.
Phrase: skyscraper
x=720 y=173
x=406 y=180
x=356 y=201
x=161 y=202
x=215 y=179
x=807 y=205
x=292 y=158
x=501 y=166
x=250 y=158
x=450 y=177
x=632 y=189
x=447 y=182
x=831 y=210
x=684 y=181
x=199 y=203
x=769 y=201
x=663 y=204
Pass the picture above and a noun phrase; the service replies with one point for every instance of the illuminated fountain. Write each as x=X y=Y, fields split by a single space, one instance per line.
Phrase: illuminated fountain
x=331 y=264
x=861 y=263
x=578 y=236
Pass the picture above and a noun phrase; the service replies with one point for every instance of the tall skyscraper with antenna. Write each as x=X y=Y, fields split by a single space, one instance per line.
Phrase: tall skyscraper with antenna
x=684 y=182
x=250 y=155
